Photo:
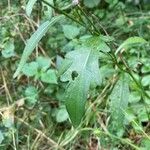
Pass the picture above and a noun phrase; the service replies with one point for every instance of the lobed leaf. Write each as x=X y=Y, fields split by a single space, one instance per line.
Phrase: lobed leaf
x=81 y=69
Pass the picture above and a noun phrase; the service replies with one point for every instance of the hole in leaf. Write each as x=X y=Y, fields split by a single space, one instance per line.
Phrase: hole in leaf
x=144 y=123
x=74 y=75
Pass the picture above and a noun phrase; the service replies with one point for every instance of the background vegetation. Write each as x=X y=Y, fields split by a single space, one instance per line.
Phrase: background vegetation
x=107 y=96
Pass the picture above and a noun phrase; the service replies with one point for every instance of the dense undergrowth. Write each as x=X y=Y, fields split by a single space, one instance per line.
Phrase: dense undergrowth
x=74 y=76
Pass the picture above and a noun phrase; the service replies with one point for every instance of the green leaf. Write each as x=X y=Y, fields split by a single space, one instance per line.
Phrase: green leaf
x=43 y=62
x=146 y=80
x=30 y=69
x=49 y=76
x=129 y=115
x=147 y=100
x=92 y=3
x=146 y=68
x=1 y=137
x=29 y=6
x=62 y=115
x=31 y=94
x=33 y=41
x=106 y=71
x=71 y=31
x=48 y=11
x=131 y=41
x=118 y=104
x=81 y=69
x=8 y=122
x=8 y=49
x=145 y=144
x=134 y=97
x=143 y=115
x=96 y=42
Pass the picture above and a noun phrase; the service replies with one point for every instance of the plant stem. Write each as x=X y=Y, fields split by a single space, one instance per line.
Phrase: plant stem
x=129 y=71
x=68 y=16
x=84 y=13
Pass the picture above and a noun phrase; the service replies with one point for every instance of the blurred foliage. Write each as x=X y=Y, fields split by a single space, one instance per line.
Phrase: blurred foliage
x=33 y=111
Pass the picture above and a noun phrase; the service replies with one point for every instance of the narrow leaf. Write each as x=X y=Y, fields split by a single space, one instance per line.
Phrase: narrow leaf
x=130 y=41
x=76 y=95
x=33 y=41
x=29 y=6
x=119 y=102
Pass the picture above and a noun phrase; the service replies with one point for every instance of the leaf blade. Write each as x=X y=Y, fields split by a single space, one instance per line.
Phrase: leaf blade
x=29 y=6
x=33 y=41
x=129 y=41
x=119 y=102
x=88 y=75
x=76 y=99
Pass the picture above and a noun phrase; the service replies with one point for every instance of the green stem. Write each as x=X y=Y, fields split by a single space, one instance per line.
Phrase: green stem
x=64 y=13
x=81 y=19
x=92 y=24
x=128 y=70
